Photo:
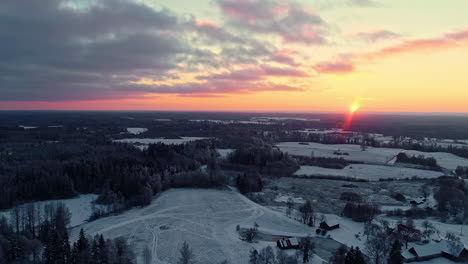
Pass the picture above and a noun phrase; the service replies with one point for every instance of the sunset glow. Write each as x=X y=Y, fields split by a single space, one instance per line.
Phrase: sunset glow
x=228 y=55
x=354 y=107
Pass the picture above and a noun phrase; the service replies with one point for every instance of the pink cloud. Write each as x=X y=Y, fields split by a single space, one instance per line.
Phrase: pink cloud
x=290 y=21
x=208 y=23
x=446 y=41
x=336 y=67
x=376 y=35
x=256 y=74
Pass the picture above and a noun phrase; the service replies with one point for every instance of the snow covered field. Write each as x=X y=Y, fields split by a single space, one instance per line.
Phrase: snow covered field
x=27 y=127
x=143 y=143
x=80 y=208
x=136 y=130
x=206 y=219
x=369 y=172
x=381 y=155
x=224 y=153
x=284 y=198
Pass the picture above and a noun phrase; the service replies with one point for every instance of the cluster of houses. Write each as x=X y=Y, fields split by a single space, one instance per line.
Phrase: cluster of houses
x=452 y=250
x=417 y=251
x=413 y=251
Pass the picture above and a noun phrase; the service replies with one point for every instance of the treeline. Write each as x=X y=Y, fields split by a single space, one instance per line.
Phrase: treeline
x=417 y=160
x=38 y=235
x=119 y=172
x=462 y=171
x=360 y=212
x=266 y=159
x=249 y=182
x=451 y=195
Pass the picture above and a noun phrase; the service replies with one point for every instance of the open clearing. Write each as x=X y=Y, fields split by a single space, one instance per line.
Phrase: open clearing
x=372 y=155
x=206 y=219
x=136 y=130
x=369 y=172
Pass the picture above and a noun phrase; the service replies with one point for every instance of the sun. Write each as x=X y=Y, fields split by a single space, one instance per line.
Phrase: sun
x=354 y=107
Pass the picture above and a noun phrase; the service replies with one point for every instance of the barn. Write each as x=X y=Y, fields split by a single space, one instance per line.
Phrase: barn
x=326 y=226
x=288 y=243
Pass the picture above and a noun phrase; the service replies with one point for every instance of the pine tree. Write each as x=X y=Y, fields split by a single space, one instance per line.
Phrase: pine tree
x=339 y=256
x=354 y=256
x=395 y=253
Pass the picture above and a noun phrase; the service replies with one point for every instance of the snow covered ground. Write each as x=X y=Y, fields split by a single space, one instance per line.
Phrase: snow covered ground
x=143 y=143
x=27 y=127
x=380 y=155
x=283 y=198
x=80 y=208
x=224 y=153
x=369 y=172
x=206 y=219
x=136 y=130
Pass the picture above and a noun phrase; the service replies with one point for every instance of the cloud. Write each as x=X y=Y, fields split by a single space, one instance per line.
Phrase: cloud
x=215 y=86
x=363 y=3
x=51 y=51
x=335 y=67
x=347 y=64
x=289 y=20
x=255 y=74
x=445 y=41
x=377 y=35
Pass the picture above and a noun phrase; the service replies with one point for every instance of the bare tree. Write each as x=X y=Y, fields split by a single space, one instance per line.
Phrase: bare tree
x=307 y=248
x=429 y=230
x=307 y=211
x=379 y=242
x=251 y=233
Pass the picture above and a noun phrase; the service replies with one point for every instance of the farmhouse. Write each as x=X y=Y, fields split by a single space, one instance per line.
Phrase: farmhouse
x=327 y=227
x=454 y=251
x=288 y=243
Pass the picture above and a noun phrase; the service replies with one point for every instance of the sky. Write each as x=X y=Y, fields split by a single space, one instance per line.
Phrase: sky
x=234 y=55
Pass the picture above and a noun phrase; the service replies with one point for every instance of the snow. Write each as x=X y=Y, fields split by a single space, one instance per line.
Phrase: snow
x=27 y=127
x=371 y=154
x=136 y=130
x=283 y=198
x=80 y=208
x=224 y=153
x=437 y=261
x=347 y=232
x=206 y=219
x=369 y=172
x=143 y=143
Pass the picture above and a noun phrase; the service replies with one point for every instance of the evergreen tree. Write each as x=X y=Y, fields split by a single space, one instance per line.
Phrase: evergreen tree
x=354 y=256
x=339 y=256
x=395 y=253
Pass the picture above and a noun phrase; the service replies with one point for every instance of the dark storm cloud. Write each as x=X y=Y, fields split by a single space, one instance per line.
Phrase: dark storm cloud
x=51 y=51
x=55 y=50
